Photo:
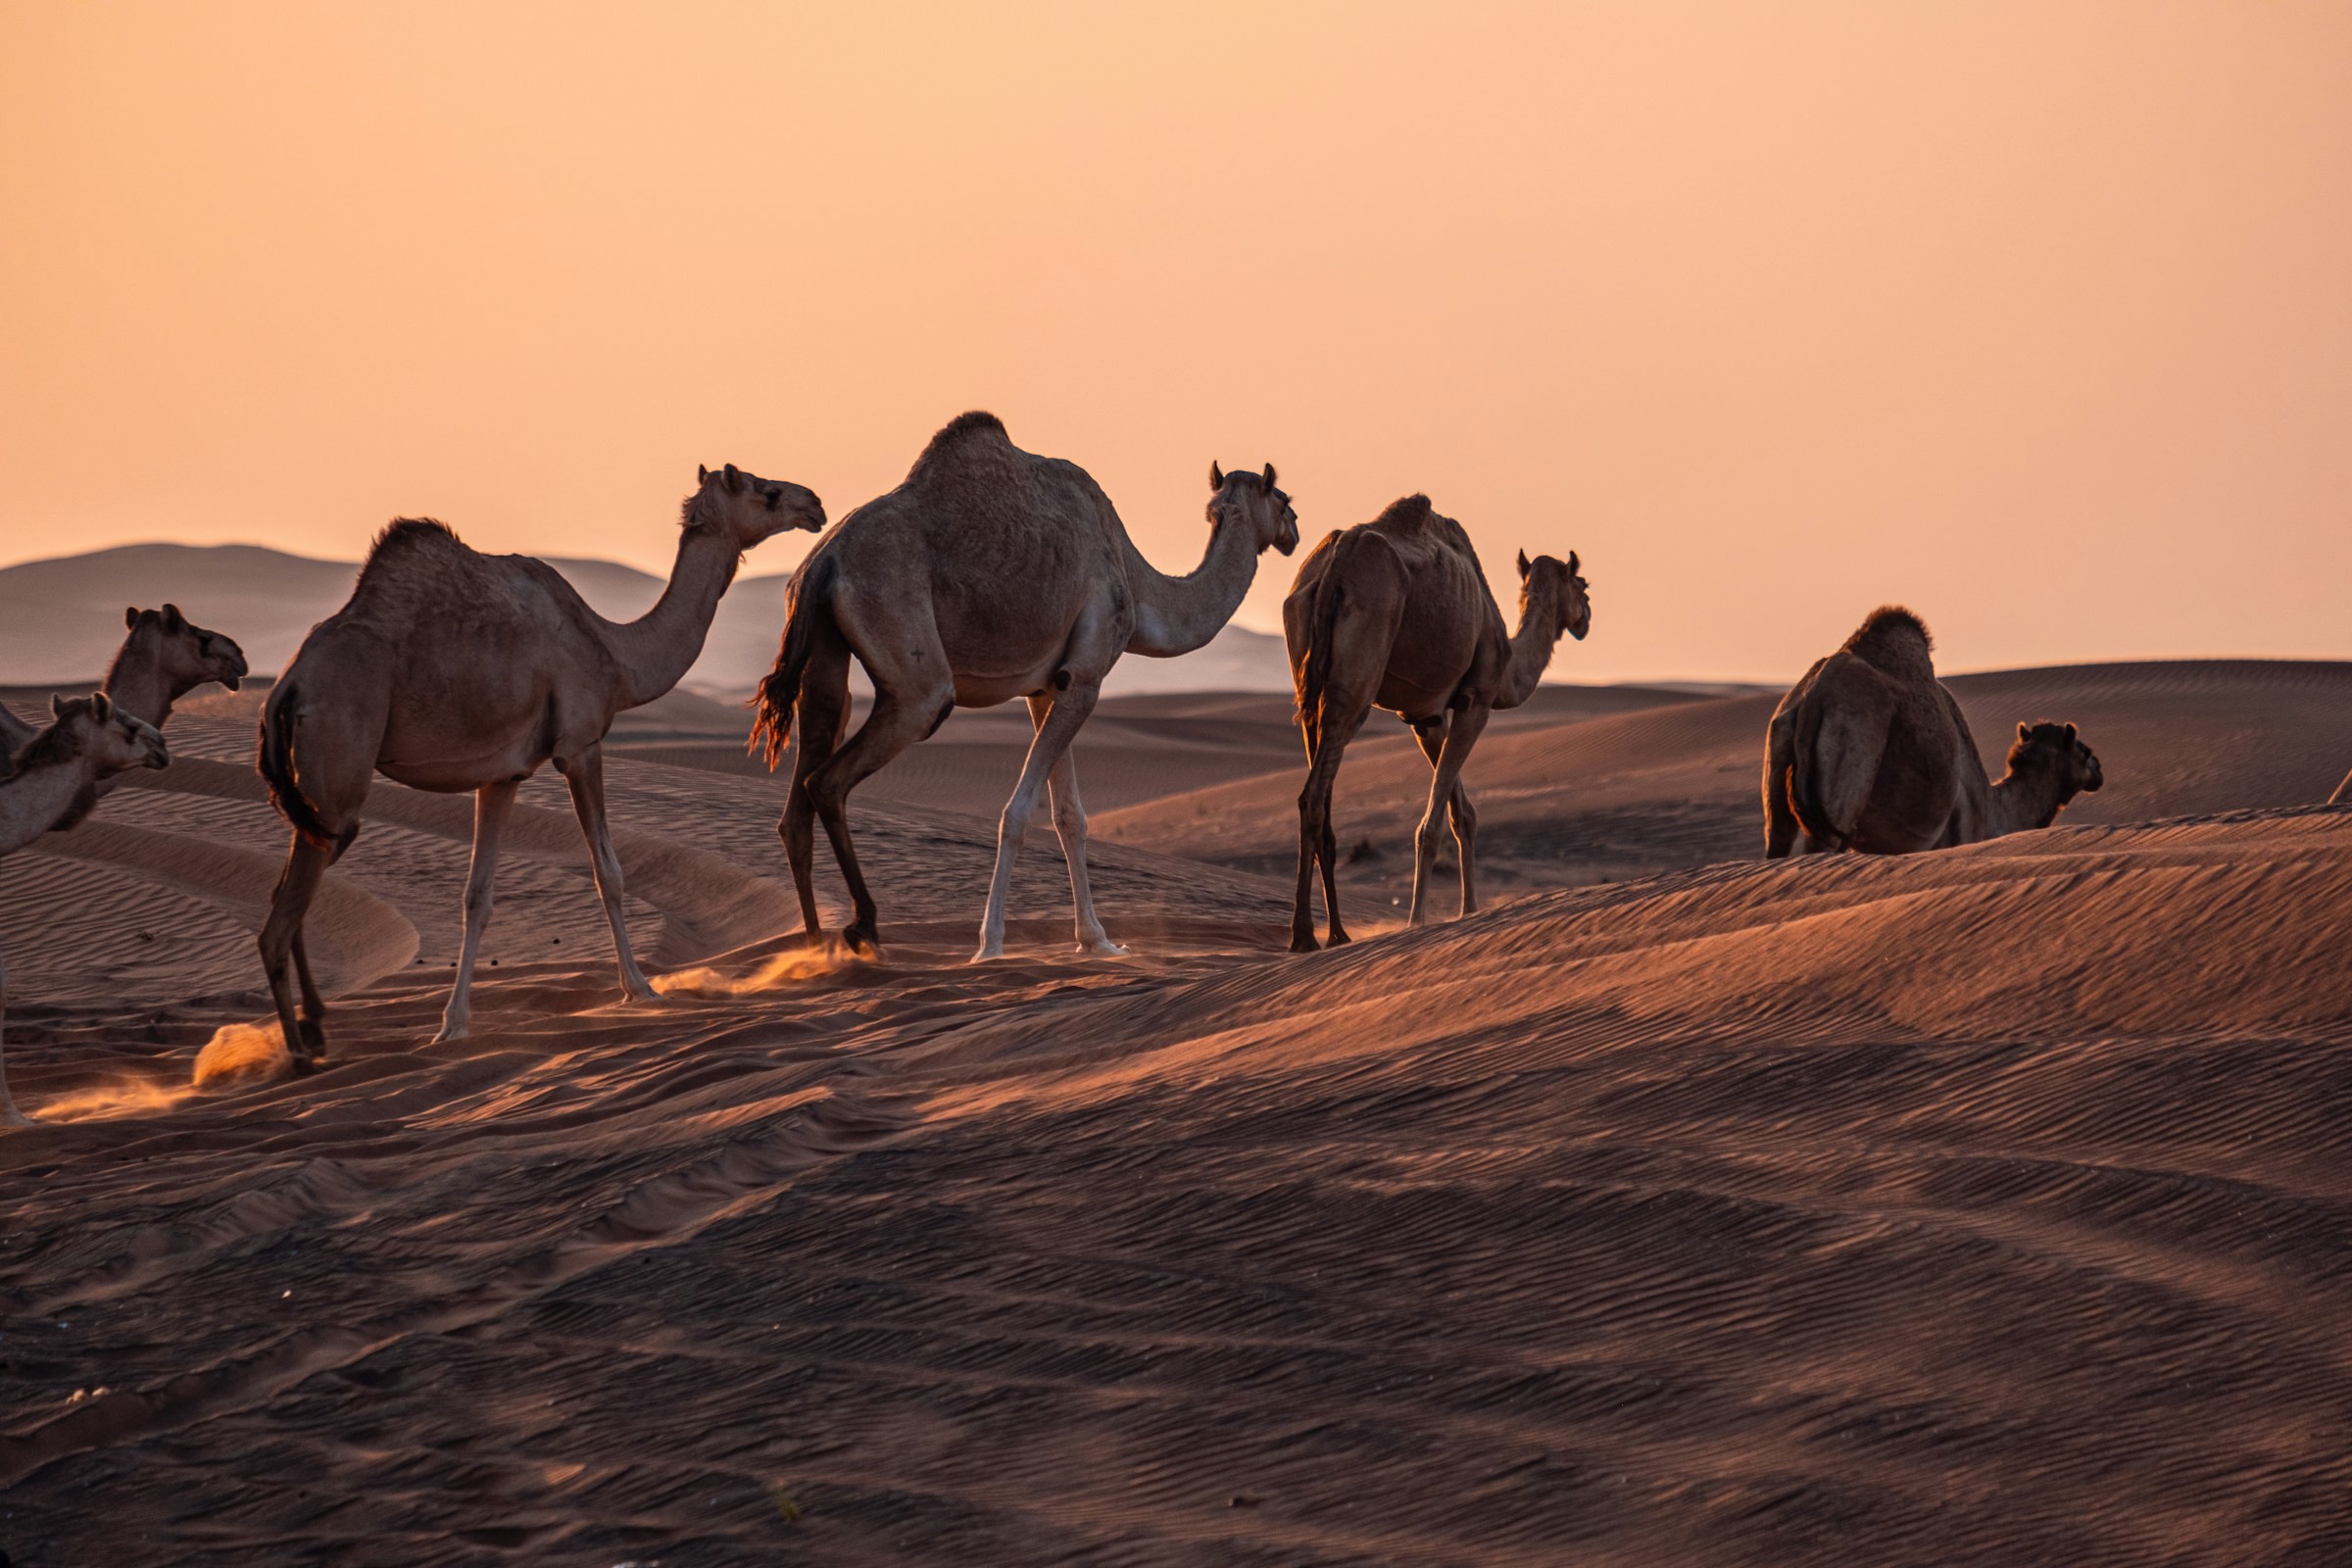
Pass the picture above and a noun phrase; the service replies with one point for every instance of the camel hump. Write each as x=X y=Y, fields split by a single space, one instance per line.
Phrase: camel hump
x=955 y=440
x=1895 y=641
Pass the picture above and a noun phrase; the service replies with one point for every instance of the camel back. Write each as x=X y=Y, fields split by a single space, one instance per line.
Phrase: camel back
x=1895 y=641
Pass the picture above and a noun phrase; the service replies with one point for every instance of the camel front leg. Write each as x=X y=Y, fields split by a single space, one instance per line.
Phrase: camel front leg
x=491 y=803
x=584 y=776
x=1464 y=816
x=1046 y=748
x=10 y=1115
x=304 y=1033
x=1069 y=822
x=1461 y=733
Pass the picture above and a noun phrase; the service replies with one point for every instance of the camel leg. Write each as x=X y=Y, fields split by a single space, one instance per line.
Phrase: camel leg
x=1047 y=749
x=1336 y=720
x=584 y=776
x=1461 y=733
x=491 y=803
x=10 y=1115
x=824 y=712
x=895 y=725
x=304 y=1034
x=1780 y=829
x=1069 y=822
x=1458 y=810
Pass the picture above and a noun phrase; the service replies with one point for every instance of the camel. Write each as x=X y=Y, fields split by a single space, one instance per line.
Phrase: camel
x=1395 y=614
x=1870 y=751
x=88 y=738
x=990 y=573
x=449 y=671
x=166 y=656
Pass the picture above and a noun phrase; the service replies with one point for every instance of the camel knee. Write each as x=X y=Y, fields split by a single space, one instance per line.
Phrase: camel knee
x=1069 y=820
x=1012 y=825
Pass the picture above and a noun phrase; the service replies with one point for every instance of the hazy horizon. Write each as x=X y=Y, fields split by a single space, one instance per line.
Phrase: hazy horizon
x=2030 y=317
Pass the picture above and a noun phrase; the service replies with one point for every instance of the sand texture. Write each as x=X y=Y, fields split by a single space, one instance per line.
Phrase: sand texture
x=1988 y=1207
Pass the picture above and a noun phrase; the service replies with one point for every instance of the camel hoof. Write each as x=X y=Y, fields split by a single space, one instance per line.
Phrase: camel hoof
x=988 y=953
x=1102 y=948
x=863 y=940
x=1338 y=938
x=1303 y=941
x=451 y=1034
x=13 y=1117
x=313 y=1036
x=306 y=1064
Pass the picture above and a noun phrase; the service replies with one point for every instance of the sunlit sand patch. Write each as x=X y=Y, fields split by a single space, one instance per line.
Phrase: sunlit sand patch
x=130 y=1097
x=785 y=968
x=240 y=1054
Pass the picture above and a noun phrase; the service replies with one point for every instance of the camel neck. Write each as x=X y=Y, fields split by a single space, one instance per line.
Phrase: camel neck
x=33 y=798
x=1177 y=614
x=2022 y=801
x=137 y=685
x=658 y=647
x=1532 y=644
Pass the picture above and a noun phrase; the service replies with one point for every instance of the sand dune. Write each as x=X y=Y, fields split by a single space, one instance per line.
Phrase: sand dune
x=1975 y=1209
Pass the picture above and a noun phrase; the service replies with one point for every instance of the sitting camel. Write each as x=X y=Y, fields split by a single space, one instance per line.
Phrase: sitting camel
x=1870 y=751
x=89 y=738
x=449 y=671
x=166 y=656
x=1395 y=614
x=990 y=573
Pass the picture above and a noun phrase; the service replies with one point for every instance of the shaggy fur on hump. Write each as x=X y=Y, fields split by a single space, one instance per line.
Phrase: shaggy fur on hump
x=1409 y=511
x=1895 y=641
x=951 y=434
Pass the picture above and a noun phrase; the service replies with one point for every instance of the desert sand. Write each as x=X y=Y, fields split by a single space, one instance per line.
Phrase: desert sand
x=1983 y=1208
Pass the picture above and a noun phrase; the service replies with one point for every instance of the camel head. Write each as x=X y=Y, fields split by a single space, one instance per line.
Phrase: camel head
x=2055 y=749
x=746 y=509
x=1549 y=577
x=93 y=726
x=1255 y=500
x=187 y=654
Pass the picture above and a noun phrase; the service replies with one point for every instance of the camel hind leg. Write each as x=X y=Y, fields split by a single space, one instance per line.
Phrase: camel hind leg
x=1337 y=718
x=491 y=803
x=304 y=1033
x=1781 y=826
x=822 y=715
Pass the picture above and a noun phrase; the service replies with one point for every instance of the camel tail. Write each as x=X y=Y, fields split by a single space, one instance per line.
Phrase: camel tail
x=1804 y=767
x=275 y=761
x=1323 y=625
x=810 y=595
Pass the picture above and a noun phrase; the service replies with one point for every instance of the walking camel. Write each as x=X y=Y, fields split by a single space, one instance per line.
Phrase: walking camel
x=990 y=573
x=449 y=671
x=1395 y=614
x=166 y=656
x=88 y=739
x=1870 y=751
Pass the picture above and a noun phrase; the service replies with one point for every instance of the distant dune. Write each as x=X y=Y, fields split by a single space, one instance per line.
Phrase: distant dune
x=1982 y=1207
x=61 y=619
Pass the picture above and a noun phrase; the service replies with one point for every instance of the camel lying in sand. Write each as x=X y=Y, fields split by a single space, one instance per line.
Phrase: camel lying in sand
x=1395 y=614
x=449 y=671
x=991 y=573
x=88 y=739
x=165 y=657
x=1869 y=752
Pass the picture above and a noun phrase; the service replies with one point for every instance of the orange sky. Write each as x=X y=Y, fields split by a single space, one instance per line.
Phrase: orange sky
x=2038 y=316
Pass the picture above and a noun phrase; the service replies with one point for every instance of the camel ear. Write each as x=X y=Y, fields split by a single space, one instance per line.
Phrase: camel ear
x=1524 y=567
x=56 y=705
x=702 y=475
x=173 y=621
x=102 y=706
x=1216 y=475
x=2070 y=734
x=733 y=481
x=2025 y=731
x=1573 y=565
x=1269 y=476
x=131 y=618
